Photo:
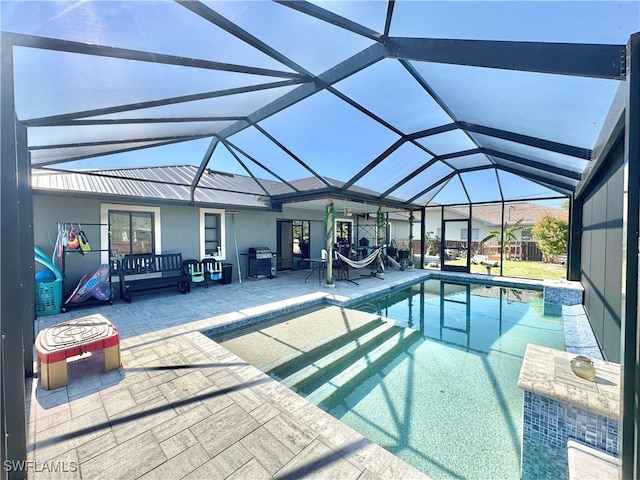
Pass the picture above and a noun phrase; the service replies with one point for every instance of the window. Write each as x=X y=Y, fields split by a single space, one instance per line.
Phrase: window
x=301 y=235
x=212 y=233
x=131 y=229
x=343 y=232
x=475 y=234
x=526 y=235
x=131 y=232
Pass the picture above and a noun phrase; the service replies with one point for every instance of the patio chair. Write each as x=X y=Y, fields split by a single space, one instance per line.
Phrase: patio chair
x=342 y=268
x=195 y=270
x=212 y=268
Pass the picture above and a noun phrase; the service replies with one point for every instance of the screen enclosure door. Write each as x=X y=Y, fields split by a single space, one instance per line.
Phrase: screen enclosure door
x=455 y=247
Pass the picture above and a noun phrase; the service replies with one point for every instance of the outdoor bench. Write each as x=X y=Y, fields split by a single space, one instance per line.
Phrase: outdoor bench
x=148 y=272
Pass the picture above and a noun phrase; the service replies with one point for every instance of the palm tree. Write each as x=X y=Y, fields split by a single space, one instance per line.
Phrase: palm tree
x=509 y=234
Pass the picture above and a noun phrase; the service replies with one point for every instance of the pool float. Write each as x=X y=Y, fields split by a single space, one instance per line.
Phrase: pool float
x=95 y=284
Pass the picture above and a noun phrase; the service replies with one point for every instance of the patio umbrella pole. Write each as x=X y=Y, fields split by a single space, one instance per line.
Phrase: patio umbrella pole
x=235 y=241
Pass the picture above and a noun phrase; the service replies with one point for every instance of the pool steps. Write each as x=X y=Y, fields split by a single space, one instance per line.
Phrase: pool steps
x=335 y=355
x=281 y=367
x=365 y=365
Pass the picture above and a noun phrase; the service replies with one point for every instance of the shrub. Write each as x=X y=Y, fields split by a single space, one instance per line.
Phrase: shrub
x=552 y=235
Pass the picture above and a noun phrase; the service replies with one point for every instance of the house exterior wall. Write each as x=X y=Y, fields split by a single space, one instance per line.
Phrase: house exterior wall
x=179 y=231
x=48 y=210
x=484 y=228
x=601 y=269
x=434 y=224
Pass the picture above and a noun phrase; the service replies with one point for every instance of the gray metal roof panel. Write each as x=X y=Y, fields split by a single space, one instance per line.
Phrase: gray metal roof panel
x=140 y=188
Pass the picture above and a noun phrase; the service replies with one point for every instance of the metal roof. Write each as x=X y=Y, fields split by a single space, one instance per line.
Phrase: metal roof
x=403 y=103
x=163 y=184
x=528 y=213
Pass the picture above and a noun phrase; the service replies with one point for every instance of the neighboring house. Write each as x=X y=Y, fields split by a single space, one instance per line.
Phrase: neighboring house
x=488 y=218
x=484 y=220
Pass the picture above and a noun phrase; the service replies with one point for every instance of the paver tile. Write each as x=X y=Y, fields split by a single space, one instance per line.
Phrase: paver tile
x=181 y=422
x=146 y=395
x=85 y=403
x=267 y=450
x=117 y=401
x=132 y=422
x=319 y=461
x=290 y=432
x=180 y=465
x=178 y=443
x=152 y=381
x=68 y=435
x=214 y=399
x=185 y=386
x=96 y=446
x=220 y=431
x=184 y=406
x=64 y=466
x=252 y=470
x=120 y=463
x=265 y=412
x=223 y=464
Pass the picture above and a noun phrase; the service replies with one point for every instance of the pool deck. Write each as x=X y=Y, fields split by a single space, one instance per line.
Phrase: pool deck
x=182 y=406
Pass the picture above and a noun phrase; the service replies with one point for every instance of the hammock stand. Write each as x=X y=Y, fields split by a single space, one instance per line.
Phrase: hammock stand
x=357 y=264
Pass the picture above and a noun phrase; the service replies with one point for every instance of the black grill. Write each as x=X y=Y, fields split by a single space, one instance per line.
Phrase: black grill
x=260 y=262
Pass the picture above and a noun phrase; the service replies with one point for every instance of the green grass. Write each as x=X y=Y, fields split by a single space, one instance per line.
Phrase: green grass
x=533 y=270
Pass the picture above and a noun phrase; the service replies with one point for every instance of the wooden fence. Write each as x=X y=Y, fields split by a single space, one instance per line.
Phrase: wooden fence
x=524 y=251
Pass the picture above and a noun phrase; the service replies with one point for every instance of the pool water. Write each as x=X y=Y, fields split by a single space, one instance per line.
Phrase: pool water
x=429 y=371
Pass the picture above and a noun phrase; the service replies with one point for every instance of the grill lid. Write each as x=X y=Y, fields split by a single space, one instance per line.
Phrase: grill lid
x=259 y=253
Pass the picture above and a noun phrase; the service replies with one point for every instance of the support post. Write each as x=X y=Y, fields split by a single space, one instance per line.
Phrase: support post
x=630 y=356
x=329 y=221
x=502 y=240
x=27 y=273
x=423 y=233
x=12 y=383
x=574 y=257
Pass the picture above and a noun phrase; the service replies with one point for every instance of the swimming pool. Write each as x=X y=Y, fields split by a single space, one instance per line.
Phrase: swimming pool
x=428 y=371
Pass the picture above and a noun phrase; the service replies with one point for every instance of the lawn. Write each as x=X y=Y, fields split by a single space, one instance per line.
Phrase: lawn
x=511 y=268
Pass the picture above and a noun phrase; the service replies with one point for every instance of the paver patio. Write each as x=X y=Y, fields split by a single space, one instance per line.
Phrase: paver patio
x=182 y=406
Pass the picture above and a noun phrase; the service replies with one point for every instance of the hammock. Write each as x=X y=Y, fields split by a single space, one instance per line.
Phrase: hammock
x=359 y=263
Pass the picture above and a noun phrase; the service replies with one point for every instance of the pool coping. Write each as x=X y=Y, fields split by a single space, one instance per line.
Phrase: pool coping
x=270 y=310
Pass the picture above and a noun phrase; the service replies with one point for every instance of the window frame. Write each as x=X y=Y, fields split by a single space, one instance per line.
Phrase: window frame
x=340 y=222
x=105 y=236
x=526 y=234
x=223 y=232
x=475 y=234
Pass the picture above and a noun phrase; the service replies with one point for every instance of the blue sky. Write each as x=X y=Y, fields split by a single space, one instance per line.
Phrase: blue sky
x=334 y=138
